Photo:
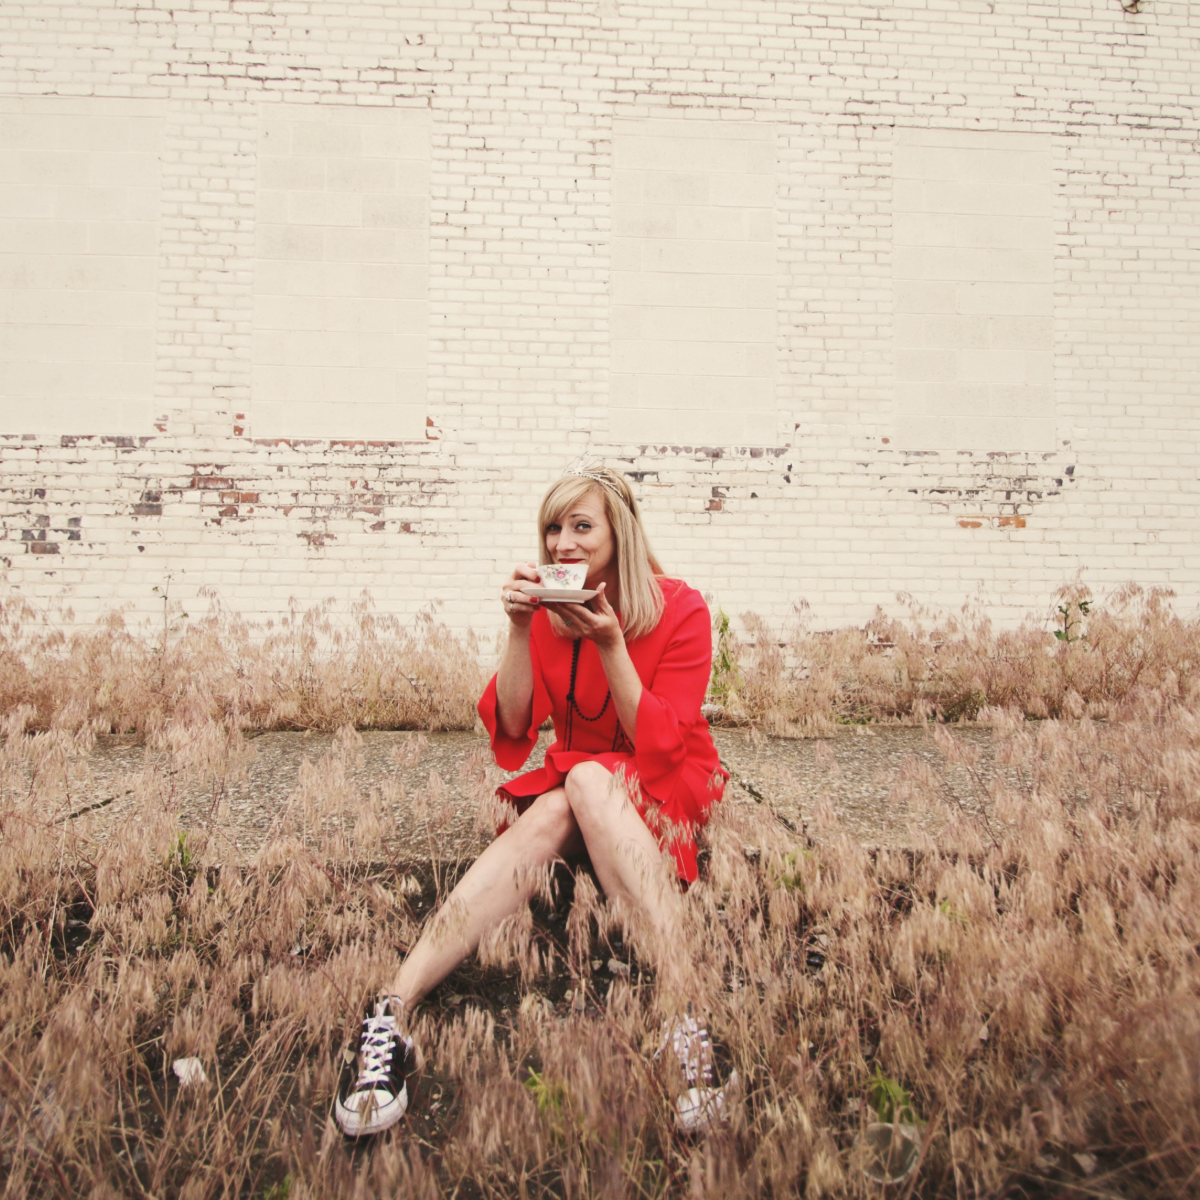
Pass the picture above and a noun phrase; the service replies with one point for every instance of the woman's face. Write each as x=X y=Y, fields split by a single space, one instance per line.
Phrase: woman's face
x=583 y=534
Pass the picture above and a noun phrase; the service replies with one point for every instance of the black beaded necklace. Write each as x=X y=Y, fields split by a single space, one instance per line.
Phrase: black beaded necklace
x=573 y=709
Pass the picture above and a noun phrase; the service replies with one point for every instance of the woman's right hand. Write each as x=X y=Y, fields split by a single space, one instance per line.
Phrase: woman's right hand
x=519 y=607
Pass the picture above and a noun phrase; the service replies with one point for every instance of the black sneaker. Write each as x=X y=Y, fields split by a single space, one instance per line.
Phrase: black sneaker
x=373 y=1092
x=701 y=1104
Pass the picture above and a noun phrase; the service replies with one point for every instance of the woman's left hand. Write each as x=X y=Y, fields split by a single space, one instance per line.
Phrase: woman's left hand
x=596 y=621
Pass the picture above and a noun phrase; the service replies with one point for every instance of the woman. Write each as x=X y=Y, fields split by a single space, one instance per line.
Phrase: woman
x=632 y=773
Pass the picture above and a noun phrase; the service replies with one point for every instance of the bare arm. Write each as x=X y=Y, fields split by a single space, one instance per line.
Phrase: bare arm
x=514 y=679
x=514 y=686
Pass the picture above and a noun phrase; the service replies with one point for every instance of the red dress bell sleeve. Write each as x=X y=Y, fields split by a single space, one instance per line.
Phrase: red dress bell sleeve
x=669 y=708
x=511 y=753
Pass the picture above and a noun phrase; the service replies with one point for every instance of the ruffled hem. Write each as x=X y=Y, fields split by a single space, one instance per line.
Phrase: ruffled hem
x=672 y=822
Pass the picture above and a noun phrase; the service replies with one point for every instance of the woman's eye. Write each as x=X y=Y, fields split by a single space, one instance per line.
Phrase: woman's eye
x=583 y=527
x=554 y=529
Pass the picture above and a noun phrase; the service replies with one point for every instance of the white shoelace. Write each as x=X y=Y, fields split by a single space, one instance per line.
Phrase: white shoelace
x=376 y=1047
x=689 y=1043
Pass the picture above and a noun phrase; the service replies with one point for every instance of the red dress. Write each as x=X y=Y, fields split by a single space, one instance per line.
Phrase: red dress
x=674 y=774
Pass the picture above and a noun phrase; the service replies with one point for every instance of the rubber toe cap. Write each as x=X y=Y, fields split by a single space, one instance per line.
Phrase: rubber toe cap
x=366 y=1112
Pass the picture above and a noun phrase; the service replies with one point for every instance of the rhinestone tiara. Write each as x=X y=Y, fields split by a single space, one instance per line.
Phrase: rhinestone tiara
x=581 y=469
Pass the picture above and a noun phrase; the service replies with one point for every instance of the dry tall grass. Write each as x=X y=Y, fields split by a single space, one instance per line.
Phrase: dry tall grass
x=311 y=670
x=314 y=670
x=1025 y=988
x=1089 y=661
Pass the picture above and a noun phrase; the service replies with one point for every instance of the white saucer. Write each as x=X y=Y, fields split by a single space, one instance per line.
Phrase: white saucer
x=562 y=595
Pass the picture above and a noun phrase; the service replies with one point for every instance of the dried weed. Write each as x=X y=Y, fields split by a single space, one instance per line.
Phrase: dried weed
x=1024 y=988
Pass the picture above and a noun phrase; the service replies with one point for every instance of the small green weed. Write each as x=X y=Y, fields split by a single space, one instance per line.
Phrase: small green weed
x=1072 y=615
x=726 y=679
x=181 y=857
x=891 y=1102
x=952 y=914
x=788 y=873
x=550 y=1095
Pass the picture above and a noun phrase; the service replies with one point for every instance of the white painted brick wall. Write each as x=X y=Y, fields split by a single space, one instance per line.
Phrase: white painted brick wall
x=831 y=478
x=341 y=273
x=694 y=282
x=79 y=243
x=973 y=269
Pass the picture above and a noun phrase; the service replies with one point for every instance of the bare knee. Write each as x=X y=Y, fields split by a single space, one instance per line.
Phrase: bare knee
x=590 y=788
x=548 y=825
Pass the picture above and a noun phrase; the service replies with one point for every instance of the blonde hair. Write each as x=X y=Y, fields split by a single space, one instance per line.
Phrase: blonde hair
x=642 y=600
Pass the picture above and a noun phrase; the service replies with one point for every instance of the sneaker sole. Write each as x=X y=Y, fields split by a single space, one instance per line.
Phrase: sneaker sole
x=707 y=1107
x=701 y=1114
x=378 y=1121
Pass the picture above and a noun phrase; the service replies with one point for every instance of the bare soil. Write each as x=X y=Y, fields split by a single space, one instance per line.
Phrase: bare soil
x=854 y=773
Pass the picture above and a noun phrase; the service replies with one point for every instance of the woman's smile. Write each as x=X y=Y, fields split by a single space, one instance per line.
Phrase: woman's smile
x=584 y=535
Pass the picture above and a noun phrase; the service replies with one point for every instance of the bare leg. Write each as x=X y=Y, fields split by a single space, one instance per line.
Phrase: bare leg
x=498 y=882
x=629 y=866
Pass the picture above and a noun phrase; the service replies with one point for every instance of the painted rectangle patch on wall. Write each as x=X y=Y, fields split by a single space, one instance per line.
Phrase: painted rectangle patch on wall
x=693 y=283
x=341 y=273
x=80 y=189
x=974 y=290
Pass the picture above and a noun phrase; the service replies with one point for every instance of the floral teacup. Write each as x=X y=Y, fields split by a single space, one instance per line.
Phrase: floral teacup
x=568 y=576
